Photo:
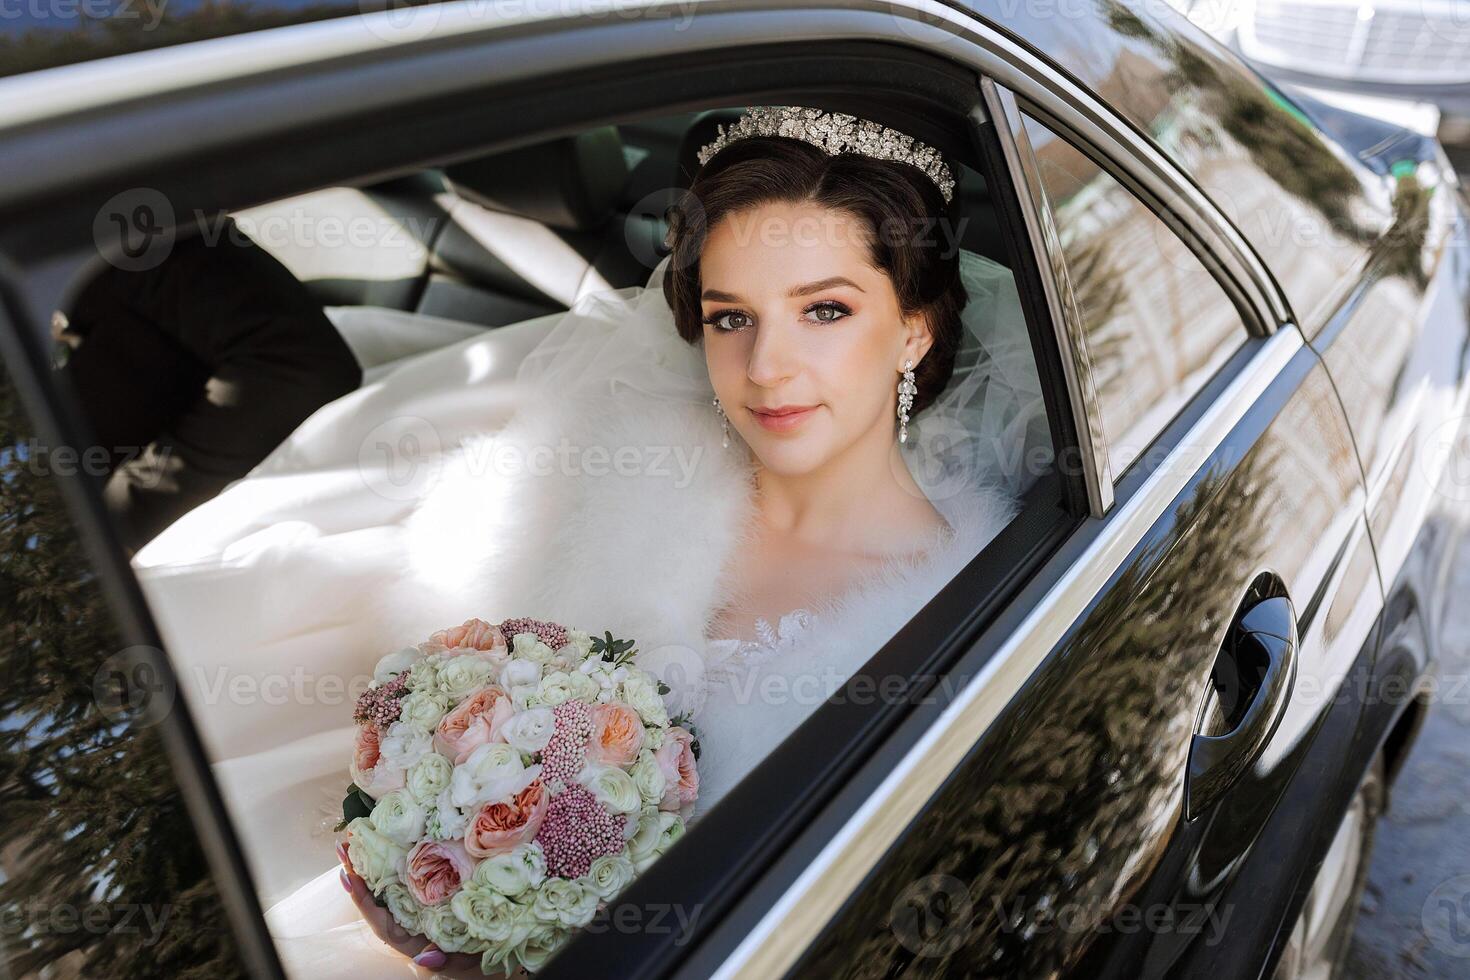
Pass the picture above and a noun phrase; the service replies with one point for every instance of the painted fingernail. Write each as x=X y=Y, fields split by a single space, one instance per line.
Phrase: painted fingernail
x=430 y=959
x=342 y=852
x=346 y=884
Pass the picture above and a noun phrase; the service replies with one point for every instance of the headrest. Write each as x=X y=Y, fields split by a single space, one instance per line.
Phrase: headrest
x=702 y=130
x=572 y=183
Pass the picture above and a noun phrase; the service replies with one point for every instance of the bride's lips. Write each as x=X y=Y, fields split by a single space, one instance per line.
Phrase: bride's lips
x=783 y=418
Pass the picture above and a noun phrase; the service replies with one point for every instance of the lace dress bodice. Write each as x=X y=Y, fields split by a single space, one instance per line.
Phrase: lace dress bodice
x=730 y=657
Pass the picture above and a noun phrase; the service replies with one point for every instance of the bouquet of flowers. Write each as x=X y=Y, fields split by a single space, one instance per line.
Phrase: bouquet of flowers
x=508 y=781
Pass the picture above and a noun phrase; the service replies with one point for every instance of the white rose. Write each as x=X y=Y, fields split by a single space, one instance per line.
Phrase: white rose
x=580 y=642
x=491 y=916
x=555 y=688
x=523 y=697
x=448 y=931
x=653 y=737
x=405 y=744
x=641 y=693
x=394 y=664
x=399 y=817
x=519 y=672
x=608 y=875
x=429 y=777
x=492 y=773
x=423 y=710
x=404 y=908
x=643 y=846
x=584 y=688
x=447 y=821
x=538 y=947
x=657 y=832
x=565 y=902
x=462 y=676
x=513 y=872
x=670 y=829
x=424 y=675
x=529 y=647
x=613 y=788
x=530 y=730
x=648 y=776
x=374 y=856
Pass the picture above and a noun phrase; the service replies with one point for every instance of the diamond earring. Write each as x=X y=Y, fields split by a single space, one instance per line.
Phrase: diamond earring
x=724 y=423
x=907 y=389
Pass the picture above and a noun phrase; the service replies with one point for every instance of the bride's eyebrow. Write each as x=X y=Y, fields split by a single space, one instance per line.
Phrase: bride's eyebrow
x=806 y=289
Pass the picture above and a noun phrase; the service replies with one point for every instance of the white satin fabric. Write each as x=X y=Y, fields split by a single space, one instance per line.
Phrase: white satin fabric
x=366 y=528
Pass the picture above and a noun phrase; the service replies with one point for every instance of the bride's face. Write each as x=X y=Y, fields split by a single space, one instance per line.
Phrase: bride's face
x=804 y=338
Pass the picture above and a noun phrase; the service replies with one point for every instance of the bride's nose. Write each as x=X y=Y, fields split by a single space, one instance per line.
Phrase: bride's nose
x=773 y=355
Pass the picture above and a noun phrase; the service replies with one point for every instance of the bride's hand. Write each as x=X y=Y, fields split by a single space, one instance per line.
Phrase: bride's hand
x=416 y=948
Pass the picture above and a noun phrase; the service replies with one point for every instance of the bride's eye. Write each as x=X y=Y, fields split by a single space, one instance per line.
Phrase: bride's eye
x=716 y=320
x=828 y=311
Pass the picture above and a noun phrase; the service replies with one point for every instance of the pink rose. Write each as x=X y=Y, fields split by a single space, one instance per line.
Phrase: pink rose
x=473 y=636
x=474 y=722
x=617 y=735
x=371 y=774
x=435 y=870
x=498 y=827
x=676 y=759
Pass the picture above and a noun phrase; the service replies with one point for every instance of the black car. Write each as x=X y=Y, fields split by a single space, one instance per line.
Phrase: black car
x=1146 y=732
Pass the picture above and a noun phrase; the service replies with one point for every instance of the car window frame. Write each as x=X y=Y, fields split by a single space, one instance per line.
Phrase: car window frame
x=1071 y=319
x=57 y=422
x=947 y=623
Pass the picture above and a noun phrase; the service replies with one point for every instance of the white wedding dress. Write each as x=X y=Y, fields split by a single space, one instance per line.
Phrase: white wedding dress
x=476 y=473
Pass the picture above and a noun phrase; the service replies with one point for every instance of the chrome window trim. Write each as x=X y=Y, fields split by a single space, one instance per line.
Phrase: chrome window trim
x=1060 y=302
x=795 y=921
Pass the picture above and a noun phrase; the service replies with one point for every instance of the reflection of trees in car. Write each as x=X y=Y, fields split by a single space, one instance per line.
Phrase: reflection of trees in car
x=1112 y=737
x=1281 y=143
x=100 y=875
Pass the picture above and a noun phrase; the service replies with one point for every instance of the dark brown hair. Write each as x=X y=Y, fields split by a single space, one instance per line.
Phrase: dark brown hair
x=901 y=208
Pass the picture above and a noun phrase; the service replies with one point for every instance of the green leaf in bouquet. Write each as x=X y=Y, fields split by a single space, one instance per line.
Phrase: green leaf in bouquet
x=611 y=650
x=682 y=721
x=355 y=804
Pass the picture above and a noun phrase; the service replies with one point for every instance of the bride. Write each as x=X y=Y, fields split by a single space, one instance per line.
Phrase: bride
x=759 y=466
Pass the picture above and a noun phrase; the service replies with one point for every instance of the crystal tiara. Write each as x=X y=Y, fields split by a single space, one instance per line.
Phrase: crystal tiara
x=834 y=132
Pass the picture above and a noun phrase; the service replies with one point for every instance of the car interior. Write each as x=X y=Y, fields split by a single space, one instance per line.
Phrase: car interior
x=519 y=234
x=495 y=241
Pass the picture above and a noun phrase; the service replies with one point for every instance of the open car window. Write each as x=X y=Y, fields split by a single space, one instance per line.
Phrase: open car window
x=101 y=871
x=326 y=471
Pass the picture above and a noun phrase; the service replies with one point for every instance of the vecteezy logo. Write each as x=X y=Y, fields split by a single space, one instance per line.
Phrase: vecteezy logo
x=932 y=916
x=401 y=458
x=134 y=230
x=134 y=686
x=1445 y=459
x=1446 y=916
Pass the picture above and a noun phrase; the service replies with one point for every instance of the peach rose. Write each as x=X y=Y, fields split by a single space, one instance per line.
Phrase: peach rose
x=681 y=779
x=369 y=772
x=474 y=722
x=617 y=735
x=499 y=827
x=435 y=870
x=474 y=635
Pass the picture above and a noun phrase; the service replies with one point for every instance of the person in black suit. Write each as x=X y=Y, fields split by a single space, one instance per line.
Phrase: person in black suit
x=191 y=371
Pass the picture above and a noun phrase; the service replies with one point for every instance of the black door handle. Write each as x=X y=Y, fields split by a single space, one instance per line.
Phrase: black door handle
x=1253 y=677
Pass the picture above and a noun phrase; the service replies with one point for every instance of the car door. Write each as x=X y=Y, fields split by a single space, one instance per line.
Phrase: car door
x=1133 y=770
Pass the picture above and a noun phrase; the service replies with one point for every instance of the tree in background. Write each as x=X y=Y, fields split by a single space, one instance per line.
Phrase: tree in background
x=100 y=872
